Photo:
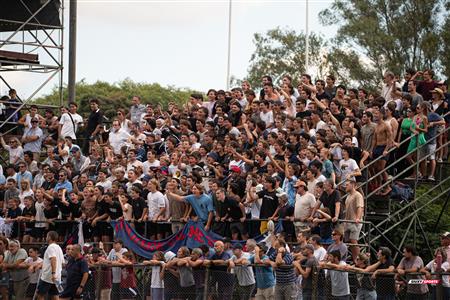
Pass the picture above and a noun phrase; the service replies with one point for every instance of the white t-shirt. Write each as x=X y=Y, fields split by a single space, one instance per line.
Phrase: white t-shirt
x=118 y=139
x=444 y=266
x=155 y=201
x=266 y=117
x=320 y=253
x=157 y=282
x=147 y=165
x=53 y=250
x=105 y=184
x=303 y=206
x=67 y=125
x=15 y=154
x=40 y=216
x=116 y=271
x=34 y=277
x=347 y=167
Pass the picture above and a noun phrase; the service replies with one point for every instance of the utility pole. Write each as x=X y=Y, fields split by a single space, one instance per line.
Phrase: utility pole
x=307 y=37
x=72 y=49
x=229 y=44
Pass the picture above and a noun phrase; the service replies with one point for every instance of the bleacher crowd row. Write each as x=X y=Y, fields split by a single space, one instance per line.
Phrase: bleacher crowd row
x=232 y=160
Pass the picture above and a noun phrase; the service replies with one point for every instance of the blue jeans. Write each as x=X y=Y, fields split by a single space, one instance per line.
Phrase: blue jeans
x=363 y=294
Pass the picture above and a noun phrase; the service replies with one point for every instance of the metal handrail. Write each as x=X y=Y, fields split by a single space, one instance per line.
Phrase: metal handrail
x=408 y=139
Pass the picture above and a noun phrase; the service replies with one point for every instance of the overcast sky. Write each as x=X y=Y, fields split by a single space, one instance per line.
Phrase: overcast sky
x=180 y=43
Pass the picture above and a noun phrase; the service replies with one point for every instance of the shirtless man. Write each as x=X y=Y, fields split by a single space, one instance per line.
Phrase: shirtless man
x=382 y=142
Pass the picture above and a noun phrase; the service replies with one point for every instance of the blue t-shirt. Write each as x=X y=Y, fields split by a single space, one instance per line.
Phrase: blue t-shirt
x=63 y=185
x=202 y=205
x=264 y=275
x=432 y=130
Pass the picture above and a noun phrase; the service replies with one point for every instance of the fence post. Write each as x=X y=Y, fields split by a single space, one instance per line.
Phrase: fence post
x=98 y=277
x=206 y=289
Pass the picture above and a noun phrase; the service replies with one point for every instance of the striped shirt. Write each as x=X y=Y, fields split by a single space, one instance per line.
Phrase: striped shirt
x=284 y=274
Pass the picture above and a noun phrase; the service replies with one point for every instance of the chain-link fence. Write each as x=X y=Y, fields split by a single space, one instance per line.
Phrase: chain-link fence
x=239 y=283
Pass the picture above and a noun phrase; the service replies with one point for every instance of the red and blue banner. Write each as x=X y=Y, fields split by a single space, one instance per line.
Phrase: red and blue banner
x=193 y=235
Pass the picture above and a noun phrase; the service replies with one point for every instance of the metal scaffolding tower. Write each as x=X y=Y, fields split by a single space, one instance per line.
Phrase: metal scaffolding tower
x=32 y=41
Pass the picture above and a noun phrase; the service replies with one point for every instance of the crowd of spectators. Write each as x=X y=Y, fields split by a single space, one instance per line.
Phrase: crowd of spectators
x=233 y=160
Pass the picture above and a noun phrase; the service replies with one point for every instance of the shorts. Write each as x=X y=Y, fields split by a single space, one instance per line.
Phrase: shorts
x=351 y=231
x=431 y=151
x=301 y=227
x=106 y=229
x=70 y=292
x=378 y=151
x=31 y=289
x=44 y=288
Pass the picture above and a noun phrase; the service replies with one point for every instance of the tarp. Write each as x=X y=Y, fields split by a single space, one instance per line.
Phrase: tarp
x=193 y=235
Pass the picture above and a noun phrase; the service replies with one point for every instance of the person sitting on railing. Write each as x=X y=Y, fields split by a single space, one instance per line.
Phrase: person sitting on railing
x=12 y=213
x=283 y=213
x=27 y=217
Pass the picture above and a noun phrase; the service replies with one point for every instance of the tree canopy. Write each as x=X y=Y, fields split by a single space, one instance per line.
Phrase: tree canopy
x=282 y=51
x=118 y=95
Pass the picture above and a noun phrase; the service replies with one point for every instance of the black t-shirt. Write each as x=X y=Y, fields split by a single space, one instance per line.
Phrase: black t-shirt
x=29 y=212
x=340 y=117
x=232 y=209
x=307 y=283
x=95 y=118
x=49 y=185
x=14 y=213
x=75 y=209
x=303 y=114
x=269 y=203
x=385 y=284
x=52 y=212
x=65 y=209
x=75 y=269
x=138 y=207
x=324 y=95
x=330 y=201
x=114 y=210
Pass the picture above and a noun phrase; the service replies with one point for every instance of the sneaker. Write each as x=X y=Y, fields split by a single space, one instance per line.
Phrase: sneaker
x=431 y=178
x=439 y=160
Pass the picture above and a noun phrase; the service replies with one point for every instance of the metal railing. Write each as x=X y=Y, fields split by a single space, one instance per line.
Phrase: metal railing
x=135 y=281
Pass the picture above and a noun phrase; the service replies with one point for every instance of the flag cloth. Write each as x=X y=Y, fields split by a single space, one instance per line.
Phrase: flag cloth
x=193 y=235
x=75 y=237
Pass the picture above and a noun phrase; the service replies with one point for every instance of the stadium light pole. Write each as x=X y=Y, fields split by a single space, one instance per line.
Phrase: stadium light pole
x=72 y=49
x=307 y=37
x=229 y=44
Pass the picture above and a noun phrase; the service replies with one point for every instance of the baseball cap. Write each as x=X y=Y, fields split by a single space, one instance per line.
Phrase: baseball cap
x=168 y=256
x=300 y=183
x=446 y=234
x=237 y=246
x=235 y=169
x=213 y=155
x=74 y=148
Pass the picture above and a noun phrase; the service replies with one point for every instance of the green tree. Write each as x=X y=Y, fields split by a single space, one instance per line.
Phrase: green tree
x=445 y=42
x=118 y=95
x=282 y=51
x=389 y=34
